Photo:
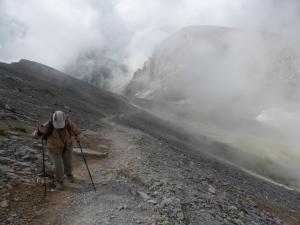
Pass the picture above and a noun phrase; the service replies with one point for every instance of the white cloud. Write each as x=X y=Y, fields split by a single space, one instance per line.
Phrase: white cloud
x=54 y=32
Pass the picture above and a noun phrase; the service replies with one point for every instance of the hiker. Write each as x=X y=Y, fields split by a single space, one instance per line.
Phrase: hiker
x=58 y=133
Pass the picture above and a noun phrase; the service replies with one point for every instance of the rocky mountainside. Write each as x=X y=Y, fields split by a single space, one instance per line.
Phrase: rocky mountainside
x=153 y=172
x=29 y=93
x=99 y=70
x=238 y=87
x=221 y=69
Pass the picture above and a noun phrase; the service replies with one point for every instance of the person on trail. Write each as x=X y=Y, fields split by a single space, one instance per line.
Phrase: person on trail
x=58 y=133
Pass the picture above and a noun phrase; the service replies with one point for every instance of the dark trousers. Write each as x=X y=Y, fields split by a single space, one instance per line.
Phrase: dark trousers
x=62 y=164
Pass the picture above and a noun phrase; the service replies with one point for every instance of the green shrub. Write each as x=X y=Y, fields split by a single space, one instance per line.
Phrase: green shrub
x=2 y=132
x=19 y=129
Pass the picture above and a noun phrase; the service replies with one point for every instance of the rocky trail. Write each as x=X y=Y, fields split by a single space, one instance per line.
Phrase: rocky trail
x=146 y=181
x=145 y=171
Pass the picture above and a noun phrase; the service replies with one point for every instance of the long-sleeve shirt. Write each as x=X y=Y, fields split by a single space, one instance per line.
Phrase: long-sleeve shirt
x=59 y=138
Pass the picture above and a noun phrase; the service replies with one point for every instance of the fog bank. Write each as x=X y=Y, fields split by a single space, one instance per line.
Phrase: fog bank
x=70 y=35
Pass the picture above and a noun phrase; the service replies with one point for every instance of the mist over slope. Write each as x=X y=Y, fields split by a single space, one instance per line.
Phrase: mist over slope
x=220 y=66
x=98 y=69
x=62 y=34
x=156 y=161
x=236 y=86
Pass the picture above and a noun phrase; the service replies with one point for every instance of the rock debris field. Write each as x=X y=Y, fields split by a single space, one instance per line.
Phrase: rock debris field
x=142 y=175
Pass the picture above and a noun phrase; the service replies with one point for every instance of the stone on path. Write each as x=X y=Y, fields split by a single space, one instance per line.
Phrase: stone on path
x=4 y=204
x=144 y=195
x=90 y=152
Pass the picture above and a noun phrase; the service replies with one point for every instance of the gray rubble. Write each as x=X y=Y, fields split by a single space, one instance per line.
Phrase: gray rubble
x=152 y=173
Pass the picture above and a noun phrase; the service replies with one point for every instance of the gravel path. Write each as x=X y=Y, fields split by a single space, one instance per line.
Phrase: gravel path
x=154 y=173
x=148 y=181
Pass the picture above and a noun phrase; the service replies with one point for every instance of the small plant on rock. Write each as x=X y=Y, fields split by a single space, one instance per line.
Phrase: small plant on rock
x=2 y=132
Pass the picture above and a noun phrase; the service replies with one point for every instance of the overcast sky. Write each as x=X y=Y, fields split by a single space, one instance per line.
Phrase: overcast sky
x=54 y=32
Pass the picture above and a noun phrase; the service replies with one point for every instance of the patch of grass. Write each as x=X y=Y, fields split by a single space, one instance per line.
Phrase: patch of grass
x=5 y=130
x=19 y=129
x=2 y=132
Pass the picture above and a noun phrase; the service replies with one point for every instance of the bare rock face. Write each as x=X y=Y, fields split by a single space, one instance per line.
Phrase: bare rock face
x=29 y=93
x=99 y=70
x=156 y=175
x=217 y=65
x=235 y=86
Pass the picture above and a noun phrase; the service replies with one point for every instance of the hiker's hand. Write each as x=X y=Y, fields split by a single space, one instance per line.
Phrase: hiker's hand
x=35 y=135
x=79 y=138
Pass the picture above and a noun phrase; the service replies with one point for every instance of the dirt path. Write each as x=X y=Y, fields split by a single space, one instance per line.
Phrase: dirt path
x=145 y=180
x=158 y=174
x=116 y=200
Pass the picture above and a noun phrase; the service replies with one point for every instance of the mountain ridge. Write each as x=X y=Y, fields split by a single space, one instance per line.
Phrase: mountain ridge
x=148 y=162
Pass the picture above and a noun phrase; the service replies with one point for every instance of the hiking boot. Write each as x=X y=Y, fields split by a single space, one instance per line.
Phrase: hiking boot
x=60 y=186
x=71 y=178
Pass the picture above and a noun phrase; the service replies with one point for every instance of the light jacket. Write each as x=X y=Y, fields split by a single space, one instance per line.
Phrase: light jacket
x=59 y=138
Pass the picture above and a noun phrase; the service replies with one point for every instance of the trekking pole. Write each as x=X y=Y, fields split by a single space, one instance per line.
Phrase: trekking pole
x=44 y=167
x=86 y=165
